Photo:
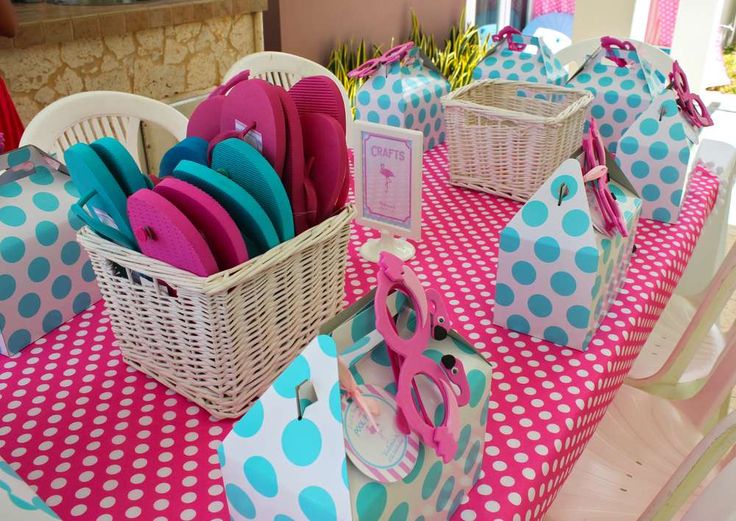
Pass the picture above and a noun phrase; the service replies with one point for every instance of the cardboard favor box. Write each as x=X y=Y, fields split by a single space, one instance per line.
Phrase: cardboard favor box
x=45 y=276
x=406 y=93
x=534 y=62
x=655 y=154
x=622 y=92
x=276 y=466
x=18 y=502
x=557 y=275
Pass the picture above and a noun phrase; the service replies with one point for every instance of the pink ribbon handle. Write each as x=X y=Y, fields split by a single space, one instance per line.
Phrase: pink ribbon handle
x=508 y=33
x=691 y=105
x=609 y=43
x=369 y=67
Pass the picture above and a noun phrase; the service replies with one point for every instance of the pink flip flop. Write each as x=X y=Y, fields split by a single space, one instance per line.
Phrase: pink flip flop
x=294 y=168
x=325 y=147
x=319 y=94
x=206 y=119
x=164 y=233
x=254 y=105
x=210 y=218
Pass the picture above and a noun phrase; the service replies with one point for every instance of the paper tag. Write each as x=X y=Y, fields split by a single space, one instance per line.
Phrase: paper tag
x=386 y=455
x=253 y=137
x=105 y=218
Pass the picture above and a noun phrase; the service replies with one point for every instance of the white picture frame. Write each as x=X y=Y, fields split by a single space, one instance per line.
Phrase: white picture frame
x=388 y=179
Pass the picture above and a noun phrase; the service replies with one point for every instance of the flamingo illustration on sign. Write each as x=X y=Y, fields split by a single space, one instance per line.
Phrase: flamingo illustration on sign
x=387 y=175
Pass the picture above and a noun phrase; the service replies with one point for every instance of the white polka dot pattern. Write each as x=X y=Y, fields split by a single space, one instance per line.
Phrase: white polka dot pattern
x=100 y=441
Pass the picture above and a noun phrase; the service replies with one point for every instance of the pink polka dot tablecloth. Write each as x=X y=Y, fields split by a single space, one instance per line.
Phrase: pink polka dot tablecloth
x=101 y=441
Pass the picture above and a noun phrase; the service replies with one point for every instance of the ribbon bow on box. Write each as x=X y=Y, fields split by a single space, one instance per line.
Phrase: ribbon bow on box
x=392 y=55
x=508 y=33
x=690 y=104
x=608 y=43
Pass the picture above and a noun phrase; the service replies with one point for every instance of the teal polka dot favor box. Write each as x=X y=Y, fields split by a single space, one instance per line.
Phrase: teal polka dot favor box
x=655 y=153
x=45 y=277
x=558 y=271
x=624 y=85
x=405 y=93
x=520 y=58
x=18 y=501
x=277 y=466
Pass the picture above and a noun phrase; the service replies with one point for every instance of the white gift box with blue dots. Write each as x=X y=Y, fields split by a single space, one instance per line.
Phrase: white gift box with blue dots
x=406 y=94
x=276 y=466
x=557 y=274
x=45 y=276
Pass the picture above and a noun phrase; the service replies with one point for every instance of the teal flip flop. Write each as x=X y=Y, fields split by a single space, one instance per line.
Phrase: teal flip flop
x=236 y=159
x=121 y=165
x=101 y=193
x=191 y=148
x=252 y=220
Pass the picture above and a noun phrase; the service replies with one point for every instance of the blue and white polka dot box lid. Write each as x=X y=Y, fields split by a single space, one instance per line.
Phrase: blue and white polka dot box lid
x=534 y=63
x=656 y=155
x=18 y=502
x=45 y=276
x=622 y=92
x=557 y=274
x=407 y=94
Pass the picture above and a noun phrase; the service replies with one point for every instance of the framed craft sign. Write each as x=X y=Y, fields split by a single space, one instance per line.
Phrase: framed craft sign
x=388 y=185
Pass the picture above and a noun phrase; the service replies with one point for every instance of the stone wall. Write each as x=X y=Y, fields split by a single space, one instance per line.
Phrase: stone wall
x=164 y=63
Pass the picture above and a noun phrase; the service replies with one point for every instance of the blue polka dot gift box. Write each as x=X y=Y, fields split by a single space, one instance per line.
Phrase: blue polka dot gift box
x=520 y=57
x=557 y=271
x=18 y=501
x=656 y=153
x=624 y=85
x=276 y=466
x=45 y=277
x=403 y=88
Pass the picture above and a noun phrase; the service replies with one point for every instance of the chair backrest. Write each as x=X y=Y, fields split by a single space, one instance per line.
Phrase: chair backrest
x=577 y=52
x=283 y=69
x=87 y=116
x=718 y=497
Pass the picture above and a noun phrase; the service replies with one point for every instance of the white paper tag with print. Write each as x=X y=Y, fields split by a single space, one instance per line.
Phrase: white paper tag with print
x=386 y=455
x=253 y=137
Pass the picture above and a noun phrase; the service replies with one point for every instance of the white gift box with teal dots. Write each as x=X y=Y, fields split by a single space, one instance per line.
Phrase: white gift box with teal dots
x=45 y=276
x=655 y=154
x=406 y=94
x=621 y=93
x=535 y=63
x=17 y=499
x=276 y=466
x=557 y=274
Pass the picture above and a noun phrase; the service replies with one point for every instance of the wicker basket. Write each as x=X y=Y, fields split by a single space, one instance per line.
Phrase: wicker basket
x=220 y=341
x=505 y=141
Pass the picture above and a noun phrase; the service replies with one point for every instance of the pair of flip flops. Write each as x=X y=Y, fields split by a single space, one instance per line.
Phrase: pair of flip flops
x=105 y=175
x=178 y=223
x=301 y=133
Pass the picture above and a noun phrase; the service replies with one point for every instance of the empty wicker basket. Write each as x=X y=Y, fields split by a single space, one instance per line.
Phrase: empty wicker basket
x=221 y=340
x=507 y=137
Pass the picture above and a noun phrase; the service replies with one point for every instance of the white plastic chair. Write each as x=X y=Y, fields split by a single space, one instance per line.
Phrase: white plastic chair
x=649 y=455
x=87 y=116
x=283 y=69
x=686 y=343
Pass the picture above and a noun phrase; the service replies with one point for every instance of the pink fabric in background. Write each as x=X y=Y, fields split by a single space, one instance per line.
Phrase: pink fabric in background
x=661 y=22
x=553 y=6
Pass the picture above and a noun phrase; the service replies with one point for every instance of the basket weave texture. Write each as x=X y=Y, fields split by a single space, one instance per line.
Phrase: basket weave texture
x=221 y=340
x=507 y=137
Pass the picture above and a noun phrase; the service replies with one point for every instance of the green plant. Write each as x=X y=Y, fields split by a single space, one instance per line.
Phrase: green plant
x=346 y=57
x=463 y=50
x=729 y=59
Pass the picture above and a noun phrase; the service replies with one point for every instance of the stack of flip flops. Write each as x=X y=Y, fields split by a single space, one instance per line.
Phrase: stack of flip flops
x=260 y=165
